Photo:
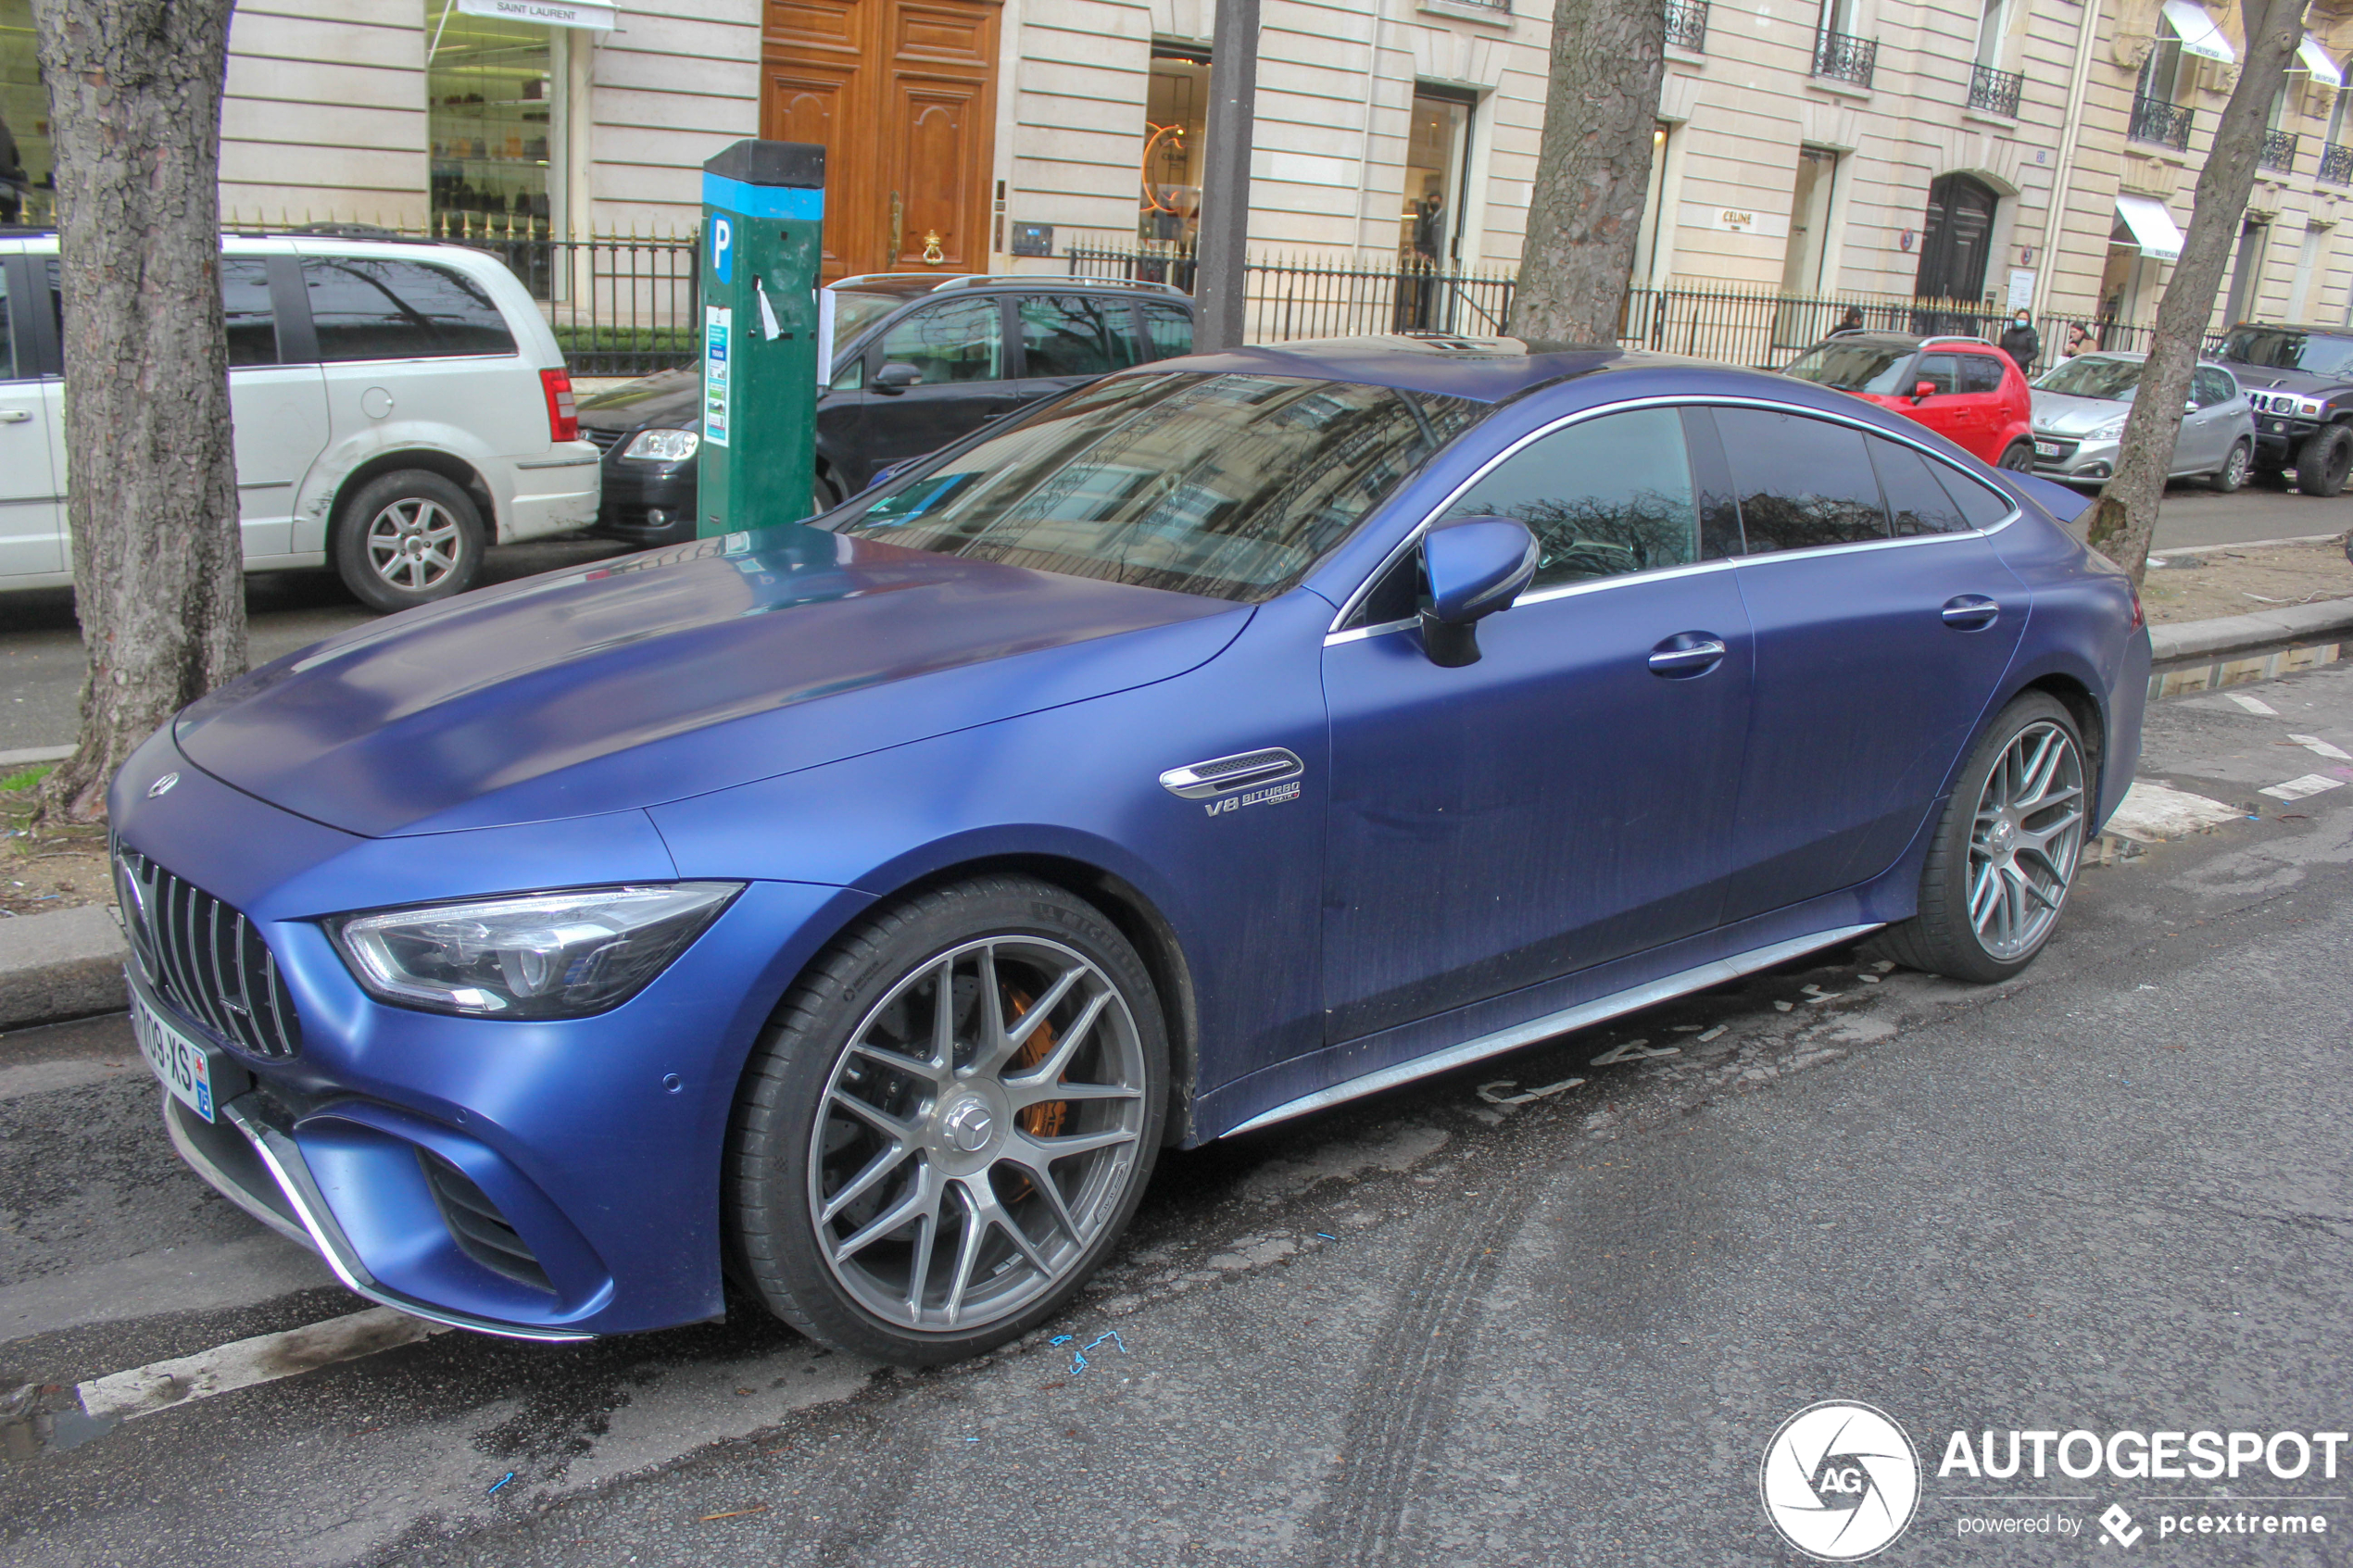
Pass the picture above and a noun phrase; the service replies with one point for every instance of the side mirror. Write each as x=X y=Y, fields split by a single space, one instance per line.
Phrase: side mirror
x=1477 y=565
x=2192 y=406
x=896 y=377
x=1923 y=389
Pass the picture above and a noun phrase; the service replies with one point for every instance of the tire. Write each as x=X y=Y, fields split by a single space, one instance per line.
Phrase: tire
x=2232 y=473
x=2324 y=463
x=813 y=1163
x=2018 y=457
x=408 y=538
x=824 y=494
x=1943 y=938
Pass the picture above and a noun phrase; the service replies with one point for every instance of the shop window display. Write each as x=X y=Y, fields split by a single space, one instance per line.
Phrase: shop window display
x=28 y=181
x=493 y=119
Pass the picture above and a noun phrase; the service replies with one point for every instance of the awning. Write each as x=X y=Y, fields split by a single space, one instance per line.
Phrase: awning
x=595 y=14
x=2199 y=36
x=2152 y=226
x=2315 y=55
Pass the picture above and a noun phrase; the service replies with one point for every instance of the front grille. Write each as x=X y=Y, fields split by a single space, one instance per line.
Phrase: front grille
x=605 y=439
x=481 y=1231
x=2273 y=403
x=208 y=960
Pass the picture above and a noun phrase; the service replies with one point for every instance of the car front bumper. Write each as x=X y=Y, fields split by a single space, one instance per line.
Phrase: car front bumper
x=646 y=504
x=590 y=1146
x=2278 y=435
x=2074 y=462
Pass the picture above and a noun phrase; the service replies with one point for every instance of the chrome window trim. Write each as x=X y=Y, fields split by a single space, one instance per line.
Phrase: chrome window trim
x=1335 y=635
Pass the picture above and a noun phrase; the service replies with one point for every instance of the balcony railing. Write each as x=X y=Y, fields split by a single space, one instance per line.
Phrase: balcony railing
x=2155 y=121
x=1687 y=25
x=1996 y=92
x=1842 y=56
x=2279 y=151
x=2336 y=164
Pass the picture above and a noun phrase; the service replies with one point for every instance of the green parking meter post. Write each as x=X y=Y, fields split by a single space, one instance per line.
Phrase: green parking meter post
x=763 y=207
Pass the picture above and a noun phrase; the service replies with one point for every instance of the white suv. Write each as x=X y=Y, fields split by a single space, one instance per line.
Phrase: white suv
x=398 y=407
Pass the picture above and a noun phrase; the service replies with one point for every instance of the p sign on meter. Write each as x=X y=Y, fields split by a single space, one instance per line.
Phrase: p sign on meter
x=763 y=209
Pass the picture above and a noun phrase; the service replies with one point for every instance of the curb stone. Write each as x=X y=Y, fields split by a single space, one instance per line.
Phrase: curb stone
x=60 y=966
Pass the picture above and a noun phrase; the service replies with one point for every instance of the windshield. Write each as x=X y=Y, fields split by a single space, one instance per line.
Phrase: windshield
x=1230 y=486
x=2088 y=375
x=2278 y=349
x=1876 y=368
x=854 y=312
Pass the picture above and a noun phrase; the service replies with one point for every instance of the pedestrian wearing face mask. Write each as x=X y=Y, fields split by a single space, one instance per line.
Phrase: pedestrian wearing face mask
x=2021 y=343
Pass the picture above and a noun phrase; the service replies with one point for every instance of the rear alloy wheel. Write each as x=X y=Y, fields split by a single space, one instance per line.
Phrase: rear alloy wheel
x=408 y=538
x=2005 y=852
x=950 y=1123
x=2232 y=473
x=2019 y=457
x=2326 y=459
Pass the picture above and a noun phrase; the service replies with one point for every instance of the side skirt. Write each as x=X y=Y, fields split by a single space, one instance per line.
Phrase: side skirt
x=1634 y=998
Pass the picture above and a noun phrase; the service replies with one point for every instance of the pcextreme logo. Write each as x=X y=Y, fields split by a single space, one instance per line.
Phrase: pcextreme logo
x=1839 y=1481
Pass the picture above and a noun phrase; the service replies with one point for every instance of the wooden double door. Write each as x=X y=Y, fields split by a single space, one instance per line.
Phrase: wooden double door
x=902 y=94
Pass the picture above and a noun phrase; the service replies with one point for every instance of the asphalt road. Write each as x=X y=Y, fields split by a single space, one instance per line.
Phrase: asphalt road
x=1432 y=1328
x=41 y=660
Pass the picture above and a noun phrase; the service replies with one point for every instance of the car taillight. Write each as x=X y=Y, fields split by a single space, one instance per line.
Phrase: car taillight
x=563 y=415
x=2139 y=620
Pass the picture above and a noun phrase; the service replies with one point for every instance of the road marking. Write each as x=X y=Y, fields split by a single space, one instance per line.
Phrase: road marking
x=2320 y=748
x=2253 y=703
x=2152 y=813
x=2298 y=788
x=160 y=1385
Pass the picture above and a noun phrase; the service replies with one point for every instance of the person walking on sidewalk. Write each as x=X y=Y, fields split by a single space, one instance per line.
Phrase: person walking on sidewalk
x=2021 y=343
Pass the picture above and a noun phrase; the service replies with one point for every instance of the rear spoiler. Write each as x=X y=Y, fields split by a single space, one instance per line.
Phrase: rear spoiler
x=2072 y=507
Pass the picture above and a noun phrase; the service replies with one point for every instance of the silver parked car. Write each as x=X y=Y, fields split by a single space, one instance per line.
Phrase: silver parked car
x=2080 y=407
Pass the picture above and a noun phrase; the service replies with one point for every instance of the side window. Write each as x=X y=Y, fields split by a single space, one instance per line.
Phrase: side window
x=367 y=307
x=244 y=300
x=2213 y=387
x=1168 y=331
x=1916 y=502
x=1603 y=497
x=1074 y=335
x=1937 y=369
x=961 y=341
x=1802 y=482
x=1982 y=504
x=1980 y=372
x=7 y=333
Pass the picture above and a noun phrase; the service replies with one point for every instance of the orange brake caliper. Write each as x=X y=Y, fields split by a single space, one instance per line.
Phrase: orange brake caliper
x=1039 y=1120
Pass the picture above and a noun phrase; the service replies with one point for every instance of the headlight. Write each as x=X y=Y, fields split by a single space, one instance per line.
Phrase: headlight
x=537 y=955
x=2108 y=431
x=663 y=445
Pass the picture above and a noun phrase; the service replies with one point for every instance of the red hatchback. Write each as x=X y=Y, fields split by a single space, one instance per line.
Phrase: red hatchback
x=1963 y=388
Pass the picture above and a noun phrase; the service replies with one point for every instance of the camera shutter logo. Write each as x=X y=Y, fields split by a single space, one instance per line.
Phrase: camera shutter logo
x=1839 y=1481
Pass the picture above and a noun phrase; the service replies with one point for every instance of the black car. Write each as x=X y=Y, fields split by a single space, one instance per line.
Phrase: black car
x=2300 y=381
x=919 y=360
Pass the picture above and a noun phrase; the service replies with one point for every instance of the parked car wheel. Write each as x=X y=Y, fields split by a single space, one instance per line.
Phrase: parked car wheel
x=2019 y=457
x=2326 y=458
x=408 y=538
x=949 y=1123
x=2232 y=473
x=2006 y=851
x=824 y=494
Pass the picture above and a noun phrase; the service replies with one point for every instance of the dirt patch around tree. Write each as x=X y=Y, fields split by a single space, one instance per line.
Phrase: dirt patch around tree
x=2219 y=580
x=46 y=868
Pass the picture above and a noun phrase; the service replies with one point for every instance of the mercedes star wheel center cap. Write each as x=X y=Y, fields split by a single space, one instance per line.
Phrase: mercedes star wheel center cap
x=969 y=1126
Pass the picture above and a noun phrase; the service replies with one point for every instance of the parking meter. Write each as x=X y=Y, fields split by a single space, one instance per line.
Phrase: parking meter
x=763 y=207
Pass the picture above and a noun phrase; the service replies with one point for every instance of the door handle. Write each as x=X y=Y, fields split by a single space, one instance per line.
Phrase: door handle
x=16 y=416
x=1687 y=654
x=1970 y=612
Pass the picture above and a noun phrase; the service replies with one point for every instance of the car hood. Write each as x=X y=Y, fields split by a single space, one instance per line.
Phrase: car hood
x=2263 y=377
x=669 y=398
x=675 y=672
x=2056 y=413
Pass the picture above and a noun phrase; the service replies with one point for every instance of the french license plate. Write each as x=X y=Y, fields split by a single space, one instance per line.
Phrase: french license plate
x=2046 y=449
x=184 y=1066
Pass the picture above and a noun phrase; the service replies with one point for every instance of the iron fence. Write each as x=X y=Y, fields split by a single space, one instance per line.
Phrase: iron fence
x=2154 y=119
x=1687 y=25
x=1996 y=92
x=1767 y=329
x=2279 y=151
x=1286 y=300
x=1842 y=56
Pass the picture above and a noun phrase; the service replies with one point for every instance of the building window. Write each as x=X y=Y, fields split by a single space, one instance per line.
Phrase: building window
x=1988 y=34
x=2161 y=72
x=27 y=176
x=493 y=119
x=1809 y=221
x=1176 y=109
x=1648 y=256
x=1437 y=176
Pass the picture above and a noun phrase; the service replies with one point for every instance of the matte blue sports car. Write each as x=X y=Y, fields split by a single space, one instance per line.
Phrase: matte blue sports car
x=857 y=908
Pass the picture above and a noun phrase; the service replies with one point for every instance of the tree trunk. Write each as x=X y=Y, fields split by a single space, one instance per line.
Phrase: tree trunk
x=2126 y=516
x=134 y=114
x=1593 y=169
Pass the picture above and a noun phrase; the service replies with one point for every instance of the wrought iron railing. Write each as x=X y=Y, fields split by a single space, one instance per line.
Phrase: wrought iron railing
x=2336 y=164
x=1842 y=56
x=1996 y=92
x=1290 y=299
x=1687 y=25
x=2154 y=119
x=2278 y=152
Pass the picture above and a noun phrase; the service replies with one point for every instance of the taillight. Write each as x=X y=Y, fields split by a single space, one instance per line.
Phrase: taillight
x=2139 y=620
x=563 y=415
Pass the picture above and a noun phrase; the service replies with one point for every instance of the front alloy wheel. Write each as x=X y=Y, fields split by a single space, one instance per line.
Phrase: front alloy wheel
x=408 y=538
x=2232 y=473
x=933 y=1172
x=2018 y=458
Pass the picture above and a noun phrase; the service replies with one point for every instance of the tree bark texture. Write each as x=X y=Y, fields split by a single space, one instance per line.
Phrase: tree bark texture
x=2126 y=516
x=134 y=111
x=1593 y=169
